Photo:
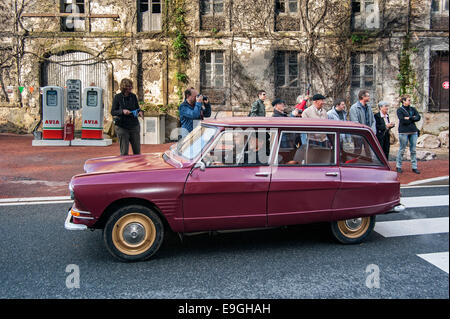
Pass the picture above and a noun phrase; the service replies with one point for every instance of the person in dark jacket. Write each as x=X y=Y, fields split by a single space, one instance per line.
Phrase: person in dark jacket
x=194 y=107
x=278 y=108
x=383 y=126
x=407 y=132
x=258 y=107
x=125 y=109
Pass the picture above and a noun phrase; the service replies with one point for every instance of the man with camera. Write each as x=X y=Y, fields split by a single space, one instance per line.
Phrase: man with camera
x=194 y=107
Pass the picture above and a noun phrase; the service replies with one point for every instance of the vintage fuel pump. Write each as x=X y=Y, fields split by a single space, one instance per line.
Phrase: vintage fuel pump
x=92 y=115
x=53 y=113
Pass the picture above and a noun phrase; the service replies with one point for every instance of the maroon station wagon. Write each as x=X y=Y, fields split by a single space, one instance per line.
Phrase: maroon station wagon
x=238 y=173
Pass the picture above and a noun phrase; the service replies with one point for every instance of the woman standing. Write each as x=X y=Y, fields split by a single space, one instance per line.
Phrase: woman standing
x=407 y=132
x=125 y=110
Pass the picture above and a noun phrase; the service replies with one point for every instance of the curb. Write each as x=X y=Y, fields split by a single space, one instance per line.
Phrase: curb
x=443 y=180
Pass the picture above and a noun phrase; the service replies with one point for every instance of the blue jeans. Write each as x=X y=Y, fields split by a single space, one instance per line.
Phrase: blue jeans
x=404 y=139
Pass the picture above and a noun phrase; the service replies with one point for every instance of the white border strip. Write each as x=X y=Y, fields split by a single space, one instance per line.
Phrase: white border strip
x=439 y=260
x=35 y=200
x=412 y=227
x=429 y=180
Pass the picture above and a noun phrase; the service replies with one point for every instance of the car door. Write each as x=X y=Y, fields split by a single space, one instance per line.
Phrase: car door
x=305 y=180
x=231 y=191
x=368 y=185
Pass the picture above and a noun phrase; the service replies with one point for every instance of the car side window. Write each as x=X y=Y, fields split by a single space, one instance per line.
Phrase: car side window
x=356 y=150
x=306 y=149
x=241 y=148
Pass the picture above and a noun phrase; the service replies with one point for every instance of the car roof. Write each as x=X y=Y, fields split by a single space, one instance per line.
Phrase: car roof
x=281 y=122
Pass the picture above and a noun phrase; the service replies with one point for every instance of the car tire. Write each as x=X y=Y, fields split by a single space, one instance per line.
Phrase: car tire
x=133 y=233
x=352 y=231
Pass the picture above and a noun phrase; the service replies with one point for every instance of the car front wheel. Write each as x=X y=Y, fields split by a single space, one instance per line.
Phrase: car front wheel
x=133 y=233
x=354 y=230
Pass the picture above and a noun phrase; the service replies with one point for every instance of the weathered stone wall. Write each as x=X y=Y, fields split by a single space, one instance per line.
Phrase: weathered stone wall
x=249 y=38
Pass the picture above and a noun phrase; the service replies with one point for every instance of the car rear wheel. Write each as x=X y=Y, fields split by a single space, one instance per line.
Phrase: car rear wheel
x=354 y=230
x=133 y=233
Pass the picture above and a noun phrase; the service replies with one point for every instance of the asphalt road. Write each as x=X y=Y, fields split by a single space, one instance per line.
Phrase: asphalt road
x=37 y=257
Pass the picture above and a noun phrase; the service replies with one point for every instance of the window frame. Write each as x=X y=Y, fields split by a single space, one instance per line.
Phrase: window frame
x=140 y=27
x=286 y=67
x=360 y=134
x=203 y=63
x=364 y=15
x=336 y=163
x=240 y=130
x=441 y=10
x=287 y=10
x=211 y=9
x=362 y=74
x=62 y=9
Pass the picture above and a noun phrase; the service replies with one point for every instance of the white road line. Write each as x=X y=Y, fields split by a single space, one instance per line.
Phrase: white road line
x=439 y=260
x=37 y=203
x=35 y=200
x=412 y=227
x=425 y=201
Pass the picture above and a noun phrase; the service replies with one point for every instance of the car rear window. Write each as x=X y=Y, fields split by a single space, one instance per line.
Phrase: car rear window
x=357 y=151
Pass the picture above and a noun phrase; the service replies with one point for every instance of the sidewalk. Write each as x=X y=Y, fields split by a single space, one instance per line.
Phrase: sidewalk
x=41 y=171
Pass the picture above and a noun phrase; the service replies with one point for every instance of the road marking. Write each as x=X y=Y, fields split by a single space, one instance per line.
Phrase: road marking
x=411 y=227
x=439 y=260
x=425 y=201
x=35 y=200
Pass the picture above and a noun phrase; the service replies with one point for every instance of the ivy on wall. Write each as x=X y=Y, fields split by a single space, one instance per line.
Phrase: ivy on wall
x=406 y=76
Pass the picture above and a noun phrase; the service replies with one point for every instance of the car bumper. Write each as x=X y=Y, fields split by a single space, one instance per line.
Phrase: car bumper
x=69 y=225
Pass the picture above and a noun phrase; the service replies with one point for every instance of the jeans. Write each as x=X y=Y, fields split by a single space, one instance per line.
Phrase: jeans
x=404 y=139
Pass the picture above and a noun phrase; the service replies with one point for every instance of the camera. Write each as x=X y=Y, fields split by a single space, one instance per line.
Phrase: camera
x=205 y=98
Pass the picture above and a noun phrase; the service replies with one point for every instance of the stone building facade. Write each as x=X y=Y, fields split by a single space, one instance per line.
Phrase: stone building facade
x=227 y=49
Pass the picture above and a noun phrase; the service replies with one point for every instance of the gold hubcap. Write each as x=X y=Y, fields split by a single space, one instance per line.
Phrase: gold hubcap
x=354 y=228
x=133 y=234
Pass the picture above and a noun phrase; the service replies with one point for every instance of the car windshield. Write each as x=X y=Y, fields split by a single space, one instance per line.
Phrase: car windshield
x=193 y=143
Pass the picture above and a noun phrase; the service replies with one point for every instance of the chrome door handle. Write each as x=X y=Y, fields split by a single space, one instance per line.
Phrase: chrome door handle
x=331 y=174
x=264 y=174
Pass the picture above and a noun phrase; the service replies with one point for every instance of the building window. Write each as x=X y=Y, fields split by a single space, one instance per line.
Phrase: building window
x=362 y=75
x=212 y=69
x=286 y=6
x=211 y=7
x=365 y=15
x=439 y=6
x=149 y=13
x=286 y=69
x=70 y=24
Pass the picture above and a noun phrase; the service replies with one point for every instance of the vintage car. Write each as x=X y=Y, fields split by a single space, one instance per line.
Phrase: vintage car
x=238 y=173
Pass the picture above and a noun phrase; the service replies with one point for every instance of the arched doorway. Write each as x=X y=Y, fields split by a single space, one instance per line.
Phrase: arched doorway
x=59 y=68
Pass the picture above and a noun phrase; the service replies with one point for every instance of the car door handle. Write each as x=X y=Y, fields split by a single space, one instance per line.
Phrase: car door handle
x=332 y=174
x=264 y=174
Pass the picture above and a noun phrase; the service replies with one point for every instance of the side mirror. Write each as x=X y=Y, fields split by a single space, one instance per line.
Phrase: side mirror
x=200 y=165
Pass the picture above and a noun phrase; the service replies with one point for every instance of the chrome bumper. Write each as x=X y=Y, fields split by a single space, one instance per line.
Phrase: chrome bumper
x=71 y=226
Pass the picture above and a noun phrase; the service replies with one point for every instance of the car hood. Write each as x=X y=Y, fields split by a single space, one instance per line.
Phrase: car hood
x=153 y=161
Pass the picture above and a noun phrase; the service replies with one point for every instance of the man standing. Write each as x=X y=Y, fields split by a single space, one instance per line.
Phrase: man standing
x=338 y=112
x=384 y=125
x=360 y=112
x=258 y=107
x=316 y=111
x=191 y=109
x=279 y=106
x=407 y=132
